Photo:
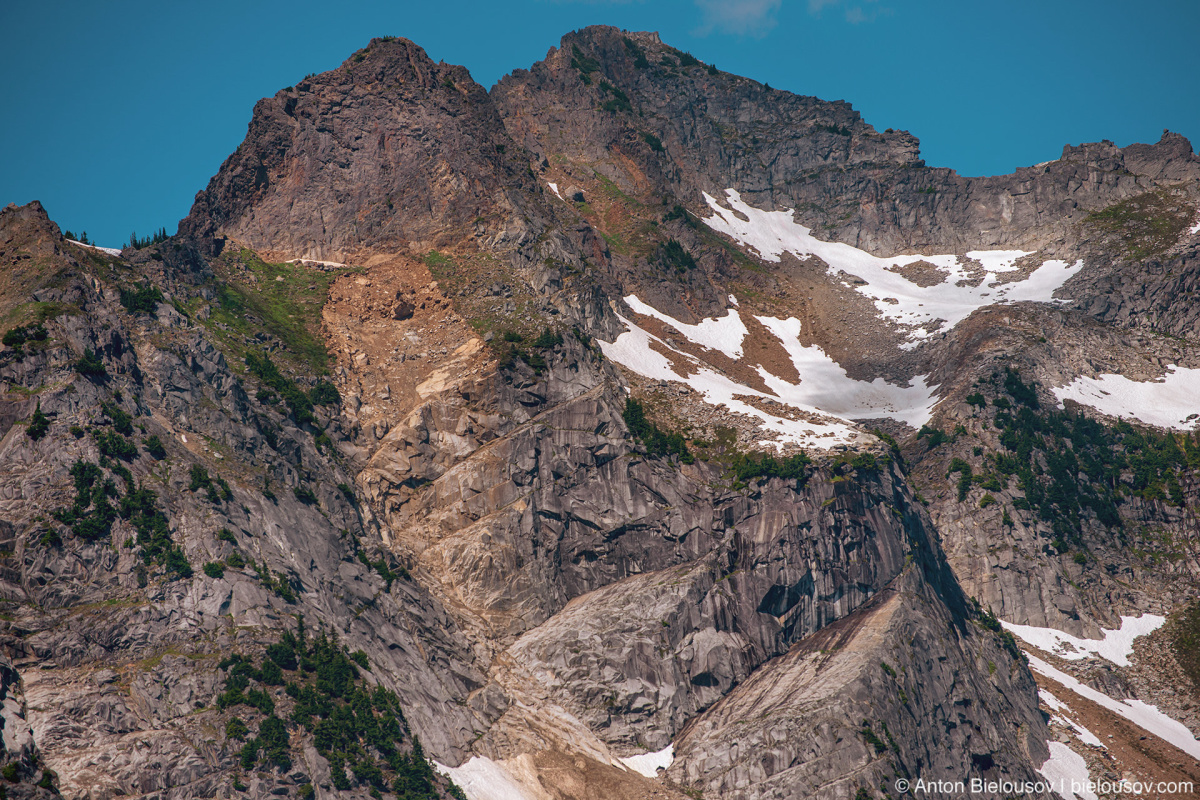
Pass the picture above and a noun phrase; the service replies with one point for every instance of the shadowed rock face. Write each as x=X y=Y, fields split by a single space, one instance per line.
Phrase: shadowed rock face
x=638 y=599
x=114 y=653
x=567 y=593
x=390 y=150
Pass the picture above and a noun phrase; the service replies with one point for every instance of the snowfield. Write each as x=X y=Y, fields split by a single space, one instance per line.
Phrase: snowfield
x=112 y=251
x=725 y=334
x=1144 y=715
x=1060 y=708
x=649 y=764
x=824 y=388
x=1064 y=769
x=483 y=779
x=922 y=311
x=1116 y=645
x=632 y=350
x=825 y=393
x=1172 y=402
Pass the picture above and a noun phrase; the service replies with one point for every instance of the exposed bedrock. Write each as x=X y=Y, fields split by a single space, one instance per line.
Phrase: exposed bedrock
x=633 y=595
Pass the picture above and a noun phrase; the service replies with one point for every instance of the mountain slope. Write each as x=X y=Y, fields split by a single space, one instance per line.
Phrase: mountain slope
x=630 y=415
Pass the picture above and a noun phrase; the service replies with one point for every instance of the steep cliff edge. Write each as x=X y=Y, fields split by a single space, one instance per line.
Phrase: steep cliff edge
x=162 y=520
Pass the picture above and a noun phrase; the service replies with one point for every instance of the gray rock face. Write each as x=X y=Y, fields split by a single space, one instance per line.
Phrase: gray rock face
x=558 y=499
x=637 y=595
x=852 y=184
x=1003 y=554
x=24 y=769
x=851 y=702
x=119 y=656
x=1147 y=295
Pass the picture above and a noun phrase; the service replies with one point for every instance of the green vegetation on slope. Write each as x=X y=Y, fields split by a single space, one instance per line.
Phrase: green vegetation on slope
x=282 y=300
x=361 y=731
x=756 y=465
x=673 y=256
x=1147 y=224
x=91 y=516
x=142 y=299
x=17 y=338
x=299 y=402
x=636 y=53
x=510 y=349
x=657 y=441
x=1184 y=632
x=584 y=63
x=1068 y=464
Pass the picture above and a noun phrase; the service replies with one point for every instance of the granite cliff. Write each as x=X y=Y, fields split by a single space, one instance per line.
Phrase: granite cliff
x=560 y=432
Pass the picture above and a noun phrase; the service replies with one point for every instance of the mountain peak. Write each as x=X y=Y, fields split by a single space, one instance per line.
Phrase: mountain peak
x=394 y=58
x=28 y=223
x=389 y=150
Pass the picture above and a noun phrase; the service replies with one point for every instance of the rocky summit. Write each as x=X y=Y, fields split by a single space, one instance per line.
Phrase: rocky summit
x=630 y=430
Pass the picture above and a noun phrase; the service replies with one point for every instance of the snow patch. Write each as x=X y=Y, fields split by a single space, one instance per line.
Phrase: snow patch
x=1144 y=715
x=1170 y=402
x=1066 y=769
x=649 y=764
x=1195 y=228
x=922 y=310
x=554 y=188
x=484 y=779
x=1052 y=702
x=302 y=261
x=1060 y=708
x=1086 y=736
x=824 y=389
x=725 y=334
x=1116 y=645
x=112 y=251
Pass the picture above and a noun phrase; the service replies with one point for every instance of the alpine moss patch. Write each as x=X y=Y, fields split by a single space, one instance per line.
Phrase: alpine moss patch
x=1146 y=225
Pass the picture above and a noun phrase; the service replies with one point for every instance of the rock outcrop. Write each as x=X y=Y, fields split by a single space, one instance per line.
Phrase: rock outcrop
x=390 y=150
x=850 y=701
x=119 y=649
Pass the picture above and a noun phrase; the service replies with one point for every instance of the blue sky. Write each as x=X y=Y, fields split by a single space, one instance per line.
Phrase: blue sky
x=116 y=113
